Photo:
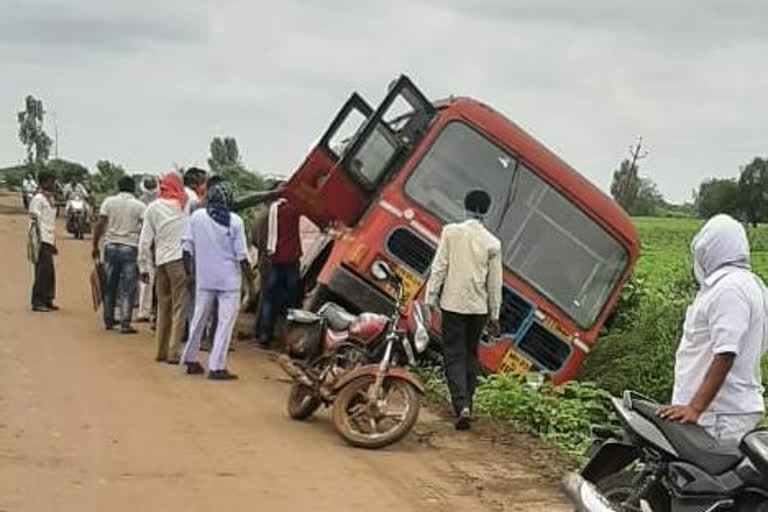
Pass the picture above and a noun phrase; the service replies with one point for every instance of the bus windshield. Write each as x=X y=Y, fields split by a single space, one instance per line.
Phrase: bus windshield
x=547 y=241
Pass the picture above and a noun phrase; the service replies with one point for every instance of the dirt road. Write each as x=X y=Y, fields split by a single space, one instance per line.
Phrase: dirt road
x=89 y=422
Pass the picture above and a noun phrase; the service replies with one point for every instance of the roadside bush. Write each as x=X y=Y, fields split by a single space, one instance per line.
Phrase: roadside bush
x=561 y=415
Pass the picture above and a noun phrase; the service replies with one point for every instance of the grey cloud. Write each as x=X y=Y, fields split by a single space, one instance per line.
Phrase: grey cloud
x=97 y=26
x=709 y=20
x=149 y=82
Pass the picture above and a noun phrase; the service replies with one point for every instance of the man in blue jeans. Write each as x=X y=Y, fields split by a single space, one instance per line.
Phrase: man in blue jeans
x=119 y=224
x=280 y=284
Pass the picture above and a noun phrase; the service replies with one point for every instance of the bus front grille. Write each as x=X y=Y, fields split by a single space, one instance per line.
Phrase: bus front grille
x=546 y=349
x=411 y=249
x=514 y=311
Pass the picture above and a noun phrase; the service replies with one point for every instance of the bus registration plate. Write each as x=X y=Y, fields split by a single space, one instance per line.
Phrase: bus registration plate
x=514 y=363
x=411 y=283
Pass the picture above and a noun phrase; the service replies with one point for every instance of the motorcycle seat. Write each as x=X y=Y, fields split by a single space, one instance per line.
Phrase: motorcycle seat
x=338 y=318
x=693 y=444
x=300 y=316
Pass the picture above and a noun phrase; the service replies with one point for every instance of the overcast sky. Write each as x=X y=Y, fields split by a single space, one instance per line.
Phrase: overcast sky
x=148 y=83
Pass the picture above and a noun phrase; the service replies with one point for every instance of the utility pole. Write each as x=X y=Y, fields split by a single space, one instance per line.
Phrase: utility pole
x=637 y=153
x=55 y=134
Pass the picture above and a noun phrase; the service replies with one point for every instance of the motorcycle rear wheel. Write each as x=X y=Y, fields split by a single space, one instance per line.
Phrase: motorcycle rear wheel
x=349 y=405
x=302 y=402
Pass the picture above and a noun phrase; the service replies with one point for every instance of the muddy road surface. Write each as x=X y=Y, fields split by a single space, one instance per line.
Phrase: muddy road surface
x=89 y=422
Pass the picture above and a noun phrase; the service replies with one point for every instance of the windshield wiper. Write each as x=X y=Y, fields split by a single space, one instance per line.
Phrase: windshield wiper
x=510 y=198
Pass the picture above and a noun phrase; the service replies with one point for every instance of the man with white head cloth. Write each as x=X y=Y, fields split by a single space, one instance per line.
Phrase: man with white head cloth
x=718 y=382
x=148 y=192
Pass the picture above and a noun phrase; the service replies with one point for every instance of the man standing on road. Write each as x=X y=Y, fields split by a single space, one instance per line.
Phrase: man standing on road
x=259 y=236
x=465 y=283
x=195 y=190
x=215 y=238
x=718 y=382
x=147 y=194
x=163 y=227
x=119 y=223
x=42 y=212
x=280 y=285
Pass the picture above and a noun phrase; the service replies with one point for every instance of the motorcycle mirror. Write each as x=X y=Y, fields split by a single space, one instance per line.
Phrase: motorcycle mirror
x=381 y=271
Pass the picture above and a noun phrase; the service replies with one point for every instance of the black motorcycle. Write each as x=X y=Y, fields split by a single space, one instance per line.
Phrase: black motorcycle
x=654 y=465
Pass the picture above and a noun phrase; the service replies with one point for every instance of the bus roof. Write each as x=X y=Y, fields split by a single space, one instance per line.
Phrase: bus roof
x=551 y=167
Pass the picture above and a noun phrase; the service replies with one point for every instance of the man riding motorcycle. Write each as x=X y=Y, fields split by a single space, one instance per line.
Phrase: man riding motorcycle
x=75 y=190
x=77 y=204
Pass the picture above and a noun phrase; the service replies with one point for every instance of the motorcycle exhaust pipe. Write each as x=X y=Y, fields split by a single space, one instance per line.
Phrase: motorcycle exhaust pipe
x=584 y=495
x=293 y=371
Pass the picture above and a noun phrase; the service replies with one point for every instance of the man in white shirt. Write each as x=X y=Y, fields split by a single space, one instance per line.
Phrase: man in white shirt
x=718 y=382
x=465 y=283
x=120 y=225
x=75 y=190
x=43 y=219
x=147 y=193
x=28 y=189
x=163 y=227
x=215 y=238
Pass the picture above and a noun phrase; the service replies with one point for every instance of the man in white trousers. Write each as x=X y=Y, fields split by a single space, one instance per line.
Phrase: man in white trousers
x=215 y=238
x=147 y=193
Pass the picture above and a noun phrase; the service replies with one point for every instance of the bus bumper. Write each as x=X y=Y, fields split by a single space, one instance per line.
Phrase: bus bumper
x=356 y=291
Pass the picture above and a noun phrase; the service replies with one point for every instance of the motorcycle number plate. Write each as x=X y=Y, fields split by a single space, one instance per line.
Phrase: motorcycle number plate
x=514 y=363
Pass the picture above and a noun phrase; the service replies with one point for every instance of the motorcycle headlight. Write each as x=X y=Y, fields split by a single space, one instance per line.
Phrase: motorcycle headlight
x=420 y=332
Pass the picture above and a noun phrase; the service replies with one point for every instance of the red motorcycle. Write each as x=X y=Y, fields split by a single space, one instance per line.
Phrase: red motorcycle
x=354 y=362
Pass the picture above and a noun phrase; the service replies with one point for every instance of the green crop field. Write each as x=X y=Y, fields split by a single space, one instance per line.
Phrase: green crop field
x=666 y=247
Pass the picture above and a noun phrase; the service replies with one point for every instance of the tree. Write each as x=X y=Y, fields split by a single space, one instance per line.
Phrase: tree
x=31 y=132
x=65 y=170
x=627 y=184
x=224 y=153
x=648 y=199
x=225 y=162
x=105 y=181
x=718 y=195
x=753 y=190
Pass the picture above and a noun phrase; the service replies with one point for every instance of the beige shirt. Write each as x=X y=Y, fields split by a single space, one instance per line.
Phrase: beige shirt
x=124 y=213
x=466 y=272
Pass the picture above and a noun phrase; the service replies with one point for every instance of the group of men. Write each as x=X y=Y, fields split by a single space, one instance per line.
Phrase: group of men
x=186 y=252
x=187 y=238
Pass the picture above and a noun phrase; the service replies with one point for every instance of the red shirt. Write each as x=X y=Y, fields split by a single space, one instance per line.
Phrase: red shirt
x=288 y=248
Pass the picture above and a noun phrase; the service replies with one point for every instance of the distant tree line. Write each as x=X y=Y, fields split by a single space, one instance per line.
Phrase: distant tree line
x=744 y=196
x=224 y=159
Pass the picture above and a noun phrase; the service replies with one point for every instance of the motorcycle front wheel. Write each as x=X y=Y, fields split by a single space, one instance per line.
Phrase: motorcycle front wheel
x=397 y=412
x=302 y=402
x=620 y=490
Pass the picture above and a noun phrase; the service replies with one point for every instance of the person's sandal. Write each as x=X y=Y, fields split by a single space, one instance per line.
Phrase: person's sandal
x=221 y=375
x=194 y=368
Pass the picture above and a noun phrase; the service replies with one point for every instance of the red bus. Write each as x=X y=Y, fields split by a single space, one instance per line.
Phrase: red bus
x=385 y=180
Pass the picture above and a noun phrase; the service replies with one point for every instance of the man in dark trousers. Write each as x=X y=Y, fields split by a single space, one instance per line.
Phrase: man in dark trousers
x=42 y=211
x=280 y=284
x=465 y=283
